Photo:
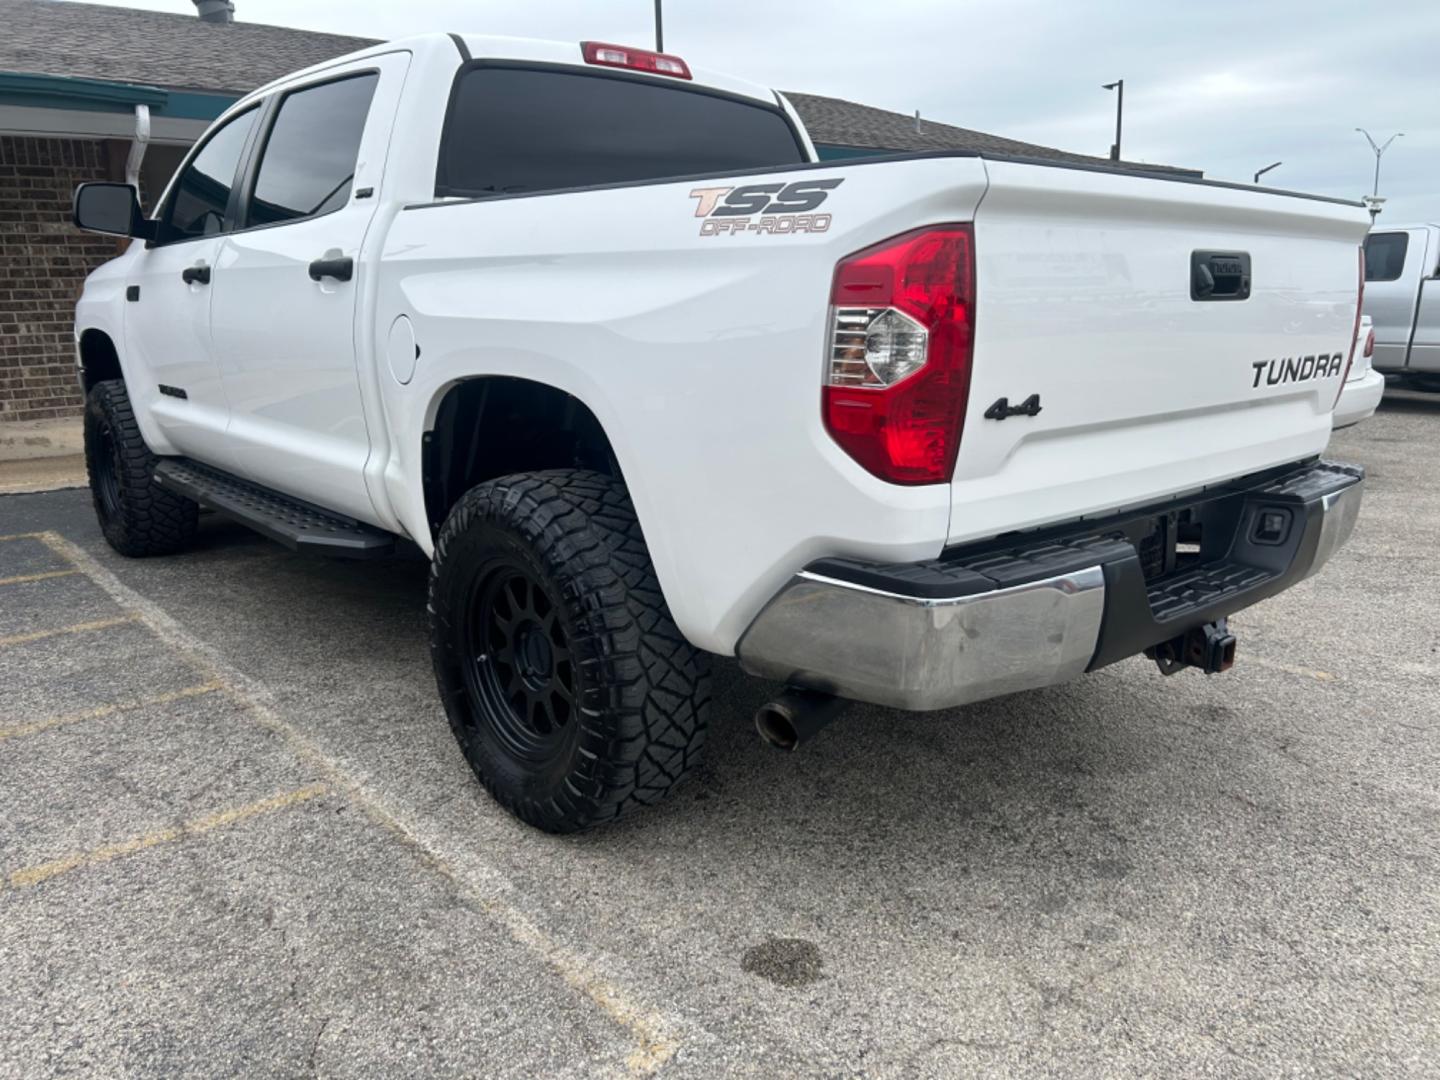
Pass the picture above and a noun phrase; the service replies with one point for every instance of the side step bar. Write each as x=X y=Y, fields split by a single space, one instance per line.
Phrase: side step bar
x=298 y=525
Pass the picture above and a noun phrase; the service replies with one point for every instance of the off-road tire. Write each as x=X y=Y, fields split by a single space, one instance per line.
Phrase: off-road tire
x=642 y=692
x=138 y=517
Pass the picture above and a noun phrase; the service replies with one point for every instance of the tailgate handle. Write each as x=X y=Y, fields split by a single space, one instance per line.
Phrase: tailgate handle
x=1219 y=275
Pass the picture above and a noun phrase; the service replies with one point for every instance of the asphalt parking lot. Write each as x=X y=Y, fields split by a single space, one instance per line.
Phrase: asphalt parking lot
x=237 y=839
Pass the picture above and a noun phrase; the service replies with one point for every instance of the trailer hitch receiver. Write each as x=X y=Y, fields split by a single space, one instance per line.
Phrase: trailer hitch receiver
x=1211 y=648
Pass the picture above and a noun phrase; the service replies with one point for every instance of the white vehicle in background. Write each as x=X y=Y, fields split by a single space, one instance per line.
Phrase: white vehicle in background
x=648 y=382
x=1364 y=387
x=1402 y=297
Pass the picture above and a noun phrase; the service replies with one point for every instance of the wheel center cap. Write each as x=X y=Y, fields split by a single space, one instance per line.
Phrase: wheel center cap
x=537 y=658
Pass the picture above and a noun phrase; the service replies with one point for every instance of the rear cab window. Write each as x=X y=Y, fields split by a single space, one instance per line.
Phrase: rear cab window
x=512 y=130
x=1385 y=256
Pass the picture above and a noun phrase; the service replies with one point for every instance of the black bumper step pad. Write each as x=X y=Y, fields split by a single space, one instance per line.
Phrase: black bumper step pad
x=1309 y=484
x=1189 y=590
x=298 y=525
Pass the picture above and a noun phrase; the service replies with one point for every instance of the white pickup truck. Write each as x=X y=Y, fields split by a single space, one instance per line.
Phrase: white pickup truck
x=648 y=382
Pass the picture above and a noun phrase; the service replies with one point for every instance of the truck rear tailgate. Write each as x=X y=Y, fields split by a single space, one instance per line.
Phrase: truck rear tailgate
x=1177 y=334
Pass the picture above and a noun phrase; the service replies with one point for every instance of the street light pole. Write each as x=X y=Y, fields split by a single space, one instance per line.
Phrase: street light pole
x=1118 y=84
x=1266 y=169
x=659 y=28
x=1374 y=201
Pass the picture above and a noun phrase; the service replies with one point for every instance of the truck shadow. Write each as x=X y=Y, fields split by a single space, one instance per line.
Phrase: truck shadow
x=1053 y=791
x=1053 y=787
x=1416 y=402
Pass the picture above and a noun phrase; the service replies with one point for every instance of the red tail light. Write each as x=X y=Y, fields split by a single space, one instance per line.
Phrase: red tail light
x=902 y=321
x=1369 y=344
x=1355 y=331
x=622 y=56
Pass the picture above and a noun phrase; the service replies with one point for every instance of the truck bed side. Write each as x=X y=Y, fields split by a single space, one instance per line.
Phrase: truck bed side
x=701 y=352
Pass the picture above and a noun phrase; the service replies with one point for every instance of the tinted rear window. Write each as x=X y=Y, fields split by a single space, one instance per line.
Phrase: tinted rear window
x=1385 y=255
x=517 y=130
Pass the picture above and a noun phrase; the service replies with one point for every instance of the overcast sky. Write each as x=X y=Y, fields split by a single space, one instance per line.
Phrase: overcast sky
x=1227 y=86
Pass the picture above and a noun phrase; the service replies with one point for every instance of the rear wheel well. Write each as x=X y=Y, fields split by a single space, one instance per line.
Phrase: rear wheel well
x=495 y=426
x=99 y=361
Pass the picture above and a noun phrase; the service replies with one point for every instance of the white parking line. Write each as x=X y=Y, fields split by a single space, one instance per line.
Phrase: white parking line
x=655 y=1035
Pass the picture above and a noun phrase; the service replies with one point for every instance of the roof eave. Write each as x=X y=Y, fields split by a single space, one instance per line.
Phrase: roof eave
x=68 y=91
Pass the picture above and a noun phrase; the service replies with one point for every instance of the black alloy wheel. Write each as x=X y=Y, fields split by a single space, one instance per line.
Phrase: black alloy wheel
x=518 y=669
x=105 y=468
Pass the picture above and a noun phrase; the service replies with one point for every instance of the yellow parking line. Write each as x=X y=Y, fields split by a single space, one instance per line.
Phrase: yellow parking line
x=23 y=578
x=34 y=875
x=78 y=628
x=106 y=710
x=1293 y=669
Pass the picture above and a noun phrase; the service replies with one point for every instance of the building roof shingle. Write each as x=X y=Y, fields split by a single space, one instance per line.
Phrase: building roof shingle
x=837 y=122
x=155 y=48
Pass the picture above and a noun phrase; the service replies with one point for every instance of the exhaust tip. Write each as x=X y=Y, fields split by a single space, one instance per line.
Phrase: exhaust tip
x=796 y=717
x=777 y=726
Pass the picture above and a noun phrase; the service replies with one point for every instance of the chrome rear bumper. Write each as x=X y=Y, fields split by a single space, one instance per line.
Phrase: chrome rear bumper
x=918 y=653
x=1048 y=610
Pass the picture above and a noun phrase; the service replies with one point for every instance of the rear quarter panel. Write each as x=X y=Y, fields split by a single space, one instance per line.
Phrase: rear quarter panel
x=700 y=354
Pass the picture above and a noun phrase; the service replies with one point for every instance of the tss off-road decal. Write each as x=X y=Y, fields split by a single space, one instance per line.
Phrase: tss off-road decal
x=764 y=208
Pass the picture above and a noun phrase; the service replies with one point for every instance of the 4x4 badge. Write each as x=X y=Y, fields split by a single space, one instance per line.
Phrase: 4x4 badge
x=1002 y=408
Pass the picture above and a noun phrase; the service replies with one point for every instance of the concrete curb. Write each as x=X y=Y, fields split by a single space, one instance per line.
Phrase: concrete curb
x=27 y=440
x=42 y=474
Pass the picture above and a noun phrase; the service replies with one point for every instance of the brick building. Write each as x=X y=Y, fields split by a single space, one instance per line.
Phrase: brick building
x=40 y=265
x=75 y=81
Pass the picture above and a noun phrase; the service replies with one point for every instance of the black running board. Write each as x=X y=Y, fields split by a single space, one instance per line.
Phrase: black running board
x=298 y=525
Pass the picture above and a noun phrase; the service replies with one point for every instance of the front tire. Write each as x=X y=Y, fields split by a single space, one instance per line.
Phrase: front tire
x=571 y=692
x=138 y=517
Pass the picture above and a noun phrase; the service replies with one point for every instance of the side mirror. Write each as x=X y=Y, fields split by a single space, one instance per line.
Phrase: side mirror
x=112 y=209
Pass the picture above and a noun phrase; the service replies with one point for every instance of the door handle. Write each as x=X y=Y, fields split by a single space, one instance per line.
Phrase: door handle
x=340 y=269
x=199 y=274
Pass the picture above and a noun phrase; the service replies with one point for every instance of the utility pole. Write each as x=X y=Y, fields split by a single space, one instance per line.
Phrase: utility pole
x=659 y=28
x=1266 y=169
x=1374 y=201
x=1118 y=84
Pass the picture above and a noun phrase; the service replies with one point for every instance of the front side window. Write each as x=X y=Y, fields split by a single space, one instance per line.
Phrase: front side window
x=203 y=191
x=308 y=164
x=1385 y=256
x=519 y=129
